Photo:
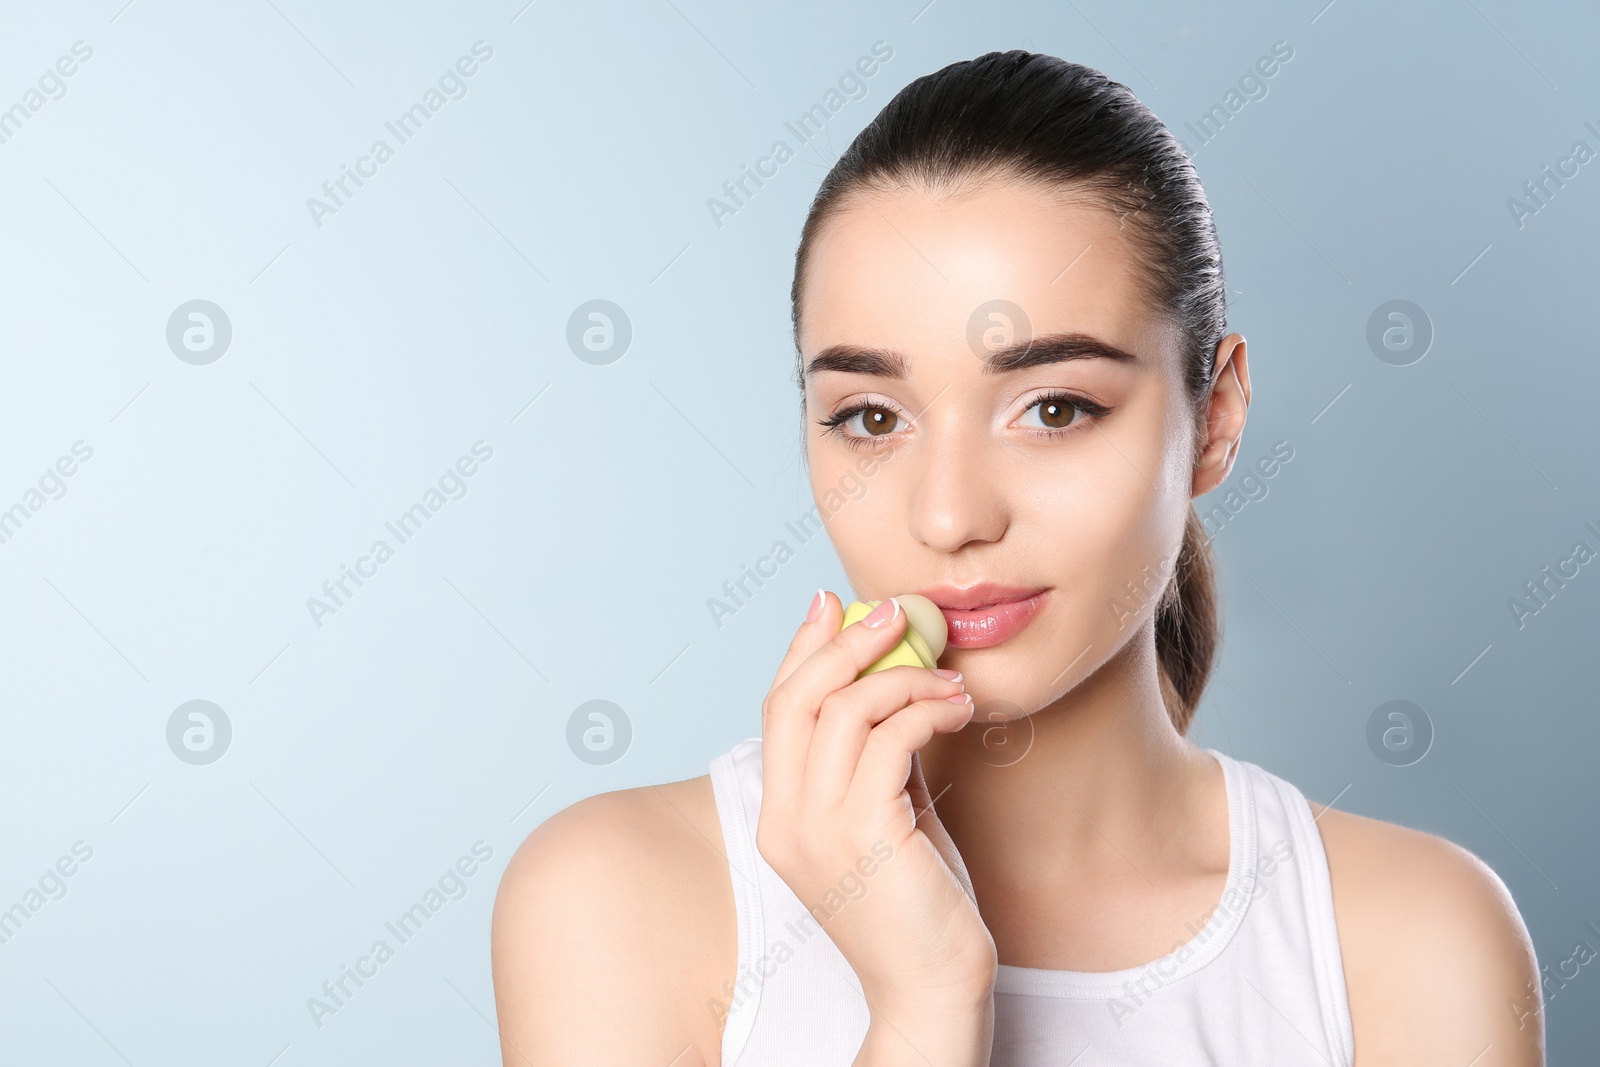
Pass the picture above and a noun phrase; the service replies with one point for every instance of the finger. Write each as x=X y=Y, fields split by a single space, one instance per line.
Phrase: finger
x=810 y=636
x=885 y=766
x=847 y=716
x=790 y=710
x=786 y=737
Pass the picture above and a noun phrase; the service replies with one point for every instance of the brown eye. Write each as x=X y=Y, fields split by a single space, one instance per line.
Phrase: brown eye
x=878 y=421
x=1056 y=414
x=1064 y=412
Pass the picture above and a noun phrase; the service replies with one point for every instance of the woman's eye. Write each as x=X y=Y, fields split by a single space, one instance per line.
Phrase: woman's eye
x=1056 y=412
x=875 y=421
x=878 y=421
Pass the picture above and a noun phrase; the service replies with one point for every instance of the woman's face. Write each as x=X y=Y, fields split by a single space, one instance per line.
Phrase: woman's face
x=959 y=472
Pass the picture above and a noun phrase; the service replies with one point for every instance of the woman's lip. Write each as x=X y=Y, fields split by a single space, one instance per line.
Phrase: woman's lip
x=989 y=626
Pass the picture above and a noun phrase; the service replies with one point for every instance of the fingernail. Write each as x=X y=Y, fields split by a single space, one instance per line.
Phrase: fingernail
x=882 y=614
x=945 y=672
x=816 y=606
x=960 y=698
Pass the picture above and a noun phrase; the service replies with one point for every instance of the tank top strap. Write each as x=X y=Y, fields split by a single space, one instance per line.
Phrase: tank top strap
x=790 y=976
x=1292 y=853
x=738 y=807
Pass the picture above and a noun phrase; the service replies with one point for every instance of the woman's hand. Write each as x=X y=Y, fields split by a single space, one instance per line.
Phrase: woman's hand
x=844 y=806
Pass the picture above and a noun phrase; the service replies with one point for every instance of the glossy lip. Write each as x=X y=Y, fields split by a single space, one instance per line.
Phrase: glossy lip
x=986 y=614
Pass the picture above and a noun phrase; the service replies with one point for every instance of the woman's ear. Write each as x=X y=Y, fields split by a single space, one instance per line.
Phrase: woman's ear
x=1225 y=414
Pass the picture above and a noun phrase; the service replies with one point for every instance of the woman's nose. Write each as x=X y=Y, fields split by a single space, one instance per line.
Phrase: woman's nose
x=957 y=497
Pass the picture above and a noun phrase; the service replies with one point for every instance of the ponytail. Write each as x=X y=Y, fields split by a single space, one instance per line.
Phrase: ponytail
x=1187 y=627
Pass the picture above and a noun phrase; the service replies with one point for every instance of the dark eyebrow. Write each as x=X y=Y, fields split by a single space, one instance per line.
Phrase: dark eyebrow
x=1038 y=352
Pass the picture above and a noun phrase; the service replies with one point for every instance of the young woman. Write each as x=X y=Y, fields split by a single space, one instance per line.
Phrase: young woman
x=1009 y=312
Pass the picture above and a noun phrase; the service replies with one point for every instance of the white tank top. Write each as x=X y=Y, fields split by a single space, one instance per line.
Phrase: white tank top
x=1260 y=982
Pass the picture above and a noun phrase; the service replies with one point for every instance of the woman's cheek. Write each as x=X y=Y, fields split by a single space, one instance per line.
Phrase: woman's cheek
x=1128 y=559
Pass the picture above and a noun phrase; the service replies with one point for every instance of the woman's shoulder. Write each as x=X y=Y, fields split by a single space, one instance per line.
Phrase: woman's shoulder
x=629 y=831
x=621 y=897
x=1438 y=962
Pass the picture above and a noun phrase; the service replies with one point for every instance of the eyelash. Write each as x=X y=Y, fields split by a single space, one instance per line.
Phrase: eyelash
x=833 y=423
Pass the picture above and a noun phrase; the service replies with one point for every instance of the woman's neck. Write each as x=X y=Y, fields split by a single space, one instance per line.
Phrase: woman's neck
x=1096 y=782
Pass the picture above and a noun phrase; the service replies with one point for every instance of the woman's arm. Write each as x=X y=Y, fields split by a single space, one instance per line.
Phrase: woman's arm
x=605 y=939
x=1437 y=960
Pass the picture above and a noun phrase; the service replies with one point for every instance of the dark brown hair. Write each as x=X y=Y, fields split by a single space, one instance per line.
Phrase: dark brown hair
x=1036 y=118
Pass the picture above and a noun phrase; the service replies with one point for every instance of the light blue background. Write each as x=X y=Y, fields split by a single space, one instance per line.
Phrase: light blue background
x=430 y=712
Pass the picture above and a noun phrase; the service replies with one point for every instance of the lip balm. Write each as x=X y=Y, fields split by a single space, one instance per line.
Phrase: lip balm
x=925 y=636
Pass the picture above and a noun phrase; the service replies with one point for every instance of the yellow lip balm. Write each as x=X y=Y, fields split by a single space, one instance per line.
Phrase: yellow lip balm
x=925 y=636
